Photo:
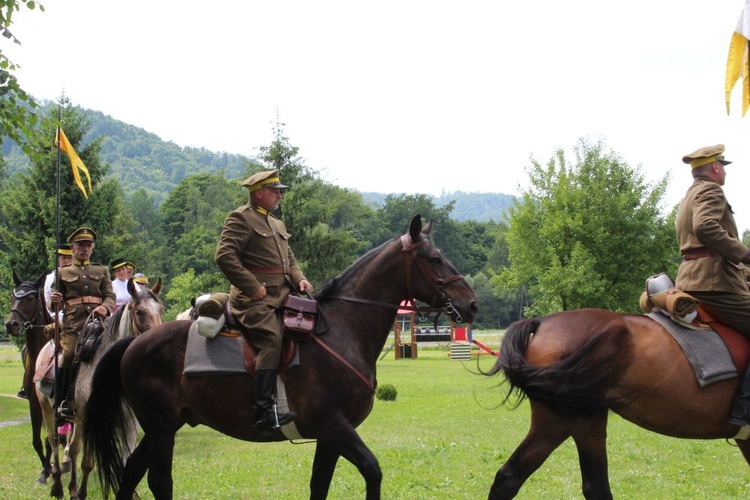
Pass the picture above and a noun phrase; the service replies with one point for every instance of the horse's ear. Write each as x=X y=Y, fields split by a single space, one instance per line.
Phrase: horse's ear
x=17 y=279
x=132 y=290
x=157 y=286
x=415 y=228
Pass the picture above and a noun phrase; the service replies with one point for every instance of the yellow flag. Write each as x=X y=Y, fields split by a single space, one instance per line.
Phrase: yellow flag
x=75 y=162
x=737 y=60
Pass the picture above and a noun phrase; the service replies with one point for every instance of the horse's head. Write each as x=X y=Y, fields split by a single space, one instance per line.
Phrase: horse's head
x=146 y=309
x=26 y=306
x=431 y=278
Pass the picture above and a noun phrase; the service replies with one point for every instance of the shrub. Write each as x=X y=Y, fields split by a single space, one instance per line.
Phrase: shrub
x=386 y=392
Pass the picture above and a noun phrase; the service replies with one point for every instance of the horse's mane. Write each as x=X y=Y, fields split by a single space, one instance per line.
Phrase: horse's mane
x=331 y=286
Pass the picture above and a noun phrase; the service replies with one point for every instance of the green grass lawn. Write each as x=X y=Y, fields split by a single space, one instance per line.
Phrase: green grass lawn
x=444 y=437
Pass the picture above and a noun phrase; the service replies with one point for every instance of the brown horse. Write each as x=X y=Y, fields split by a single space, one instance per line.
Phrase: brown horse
x=576 y=365
x=139 y=314
x=331 y=390
x=28 y=317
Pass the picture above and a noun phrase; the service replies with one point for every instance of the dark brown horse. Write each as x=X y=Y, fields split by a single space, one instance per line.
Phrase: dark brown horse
x=574 y=366
x=28 y=317
x=331 y=395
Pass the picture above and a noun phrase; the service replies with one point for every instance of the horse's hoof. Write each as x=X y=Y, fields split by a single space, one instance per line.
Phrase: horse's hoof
x=65 y=467
x=42 y=481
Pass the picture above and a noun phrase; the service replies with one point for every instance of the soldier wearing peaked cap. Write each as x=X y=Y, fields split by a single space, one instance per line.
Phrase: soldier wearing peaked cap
x=713 y=257
x=253 y=253
x=84 y=288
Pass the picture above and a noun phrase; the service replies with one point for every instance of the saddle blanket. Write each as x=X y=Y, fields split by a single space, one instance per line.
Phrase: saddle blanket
x=217 y=356
x=222 y=355
x=704 y=349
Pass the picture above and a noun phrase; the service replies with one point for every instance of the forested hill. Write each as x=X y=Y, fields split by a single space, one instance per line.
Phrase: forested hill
x=140 y=159
x=480 y=207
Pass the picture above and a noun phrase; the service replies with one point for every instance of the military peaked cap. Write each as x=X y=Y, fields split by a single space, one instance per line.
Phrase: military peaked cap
x=82 y=234
x=65 y=250
x=706 y=155
x=269 y=178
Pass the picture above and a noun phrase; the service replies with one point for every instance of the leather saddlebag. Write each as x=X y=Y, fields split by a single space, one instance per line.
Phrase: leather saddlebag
x=299 y=316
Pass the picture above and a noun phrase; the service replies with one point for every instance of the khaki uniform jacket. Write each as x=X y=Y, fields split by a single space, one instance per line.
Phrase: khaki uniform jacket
x=78 y=280
x=705 y=221
x=249 y=239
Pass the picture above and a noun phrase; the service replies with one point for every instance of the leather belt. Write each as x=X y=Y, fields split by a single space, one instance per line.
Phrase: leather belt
x=88 y=299
x=698 y=253
x=266 y=269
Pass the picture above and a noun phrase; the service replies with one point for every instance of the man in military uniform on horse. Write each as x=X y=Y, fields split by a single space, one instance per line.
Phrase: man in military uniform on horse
x=84 y=289
x=254 y=254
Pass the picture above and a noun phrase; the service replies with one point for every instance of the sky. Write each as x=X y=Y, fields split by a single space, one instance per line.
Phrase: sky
x=406 y=96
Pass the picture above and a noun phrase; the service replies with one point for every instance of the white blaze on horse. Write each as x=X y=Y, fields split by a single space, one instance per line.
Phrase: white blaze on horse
x=142 y=312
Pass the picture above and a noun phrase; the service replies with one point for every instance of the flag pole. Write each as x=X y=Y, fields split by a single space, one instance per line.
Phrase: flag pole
x=56 y=287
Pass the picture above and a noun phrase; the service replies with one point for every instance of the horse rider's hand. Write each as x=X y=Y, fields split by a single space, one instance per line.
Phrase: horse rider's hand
x=305 y=286
x=101 y=311
x=259 y=293
x=56 y=298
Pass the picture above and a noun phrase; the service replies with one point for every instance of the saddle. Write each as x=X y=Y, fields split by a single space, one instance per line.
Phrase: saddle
x=661 y=296
x=89 y=340
x=45 y=376
x=300 y=316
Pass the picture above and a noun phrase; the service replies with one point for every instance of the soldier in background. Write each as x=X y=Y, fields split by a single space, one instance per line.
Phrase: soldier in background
x=84 y=289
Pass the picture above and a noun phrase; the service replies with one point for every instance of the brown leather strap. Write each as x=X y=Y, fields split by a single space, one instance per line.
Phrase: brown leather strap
x=336 y=355
x=88 y=299
x=266 y=269
x=698 y=253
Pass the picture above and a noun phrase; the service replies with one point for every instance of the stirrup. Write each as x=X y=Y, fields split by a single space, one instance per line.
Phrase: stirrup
x=270 y=419
x=65 y=412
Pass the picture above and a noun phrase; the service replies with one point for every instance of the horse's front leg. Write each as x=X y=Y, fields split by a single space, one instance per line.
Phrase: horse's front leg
x=345 y=443
x=71 y=455
x=324 y=464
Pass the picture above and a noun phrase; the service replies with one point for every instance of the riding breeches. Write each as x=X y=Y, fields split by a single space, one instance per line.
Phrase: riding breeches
x=729 y=308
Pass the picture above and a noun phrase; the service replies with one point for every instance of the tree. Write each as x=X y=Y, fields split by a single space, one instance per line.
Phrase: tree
x=587 y=234
x=321 y=249
x=28 y=213
x=17 y=117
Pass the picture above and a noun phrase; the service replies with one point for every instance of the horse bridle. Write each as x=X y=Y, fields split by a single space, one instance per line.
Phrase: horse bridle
x=409 y=249
x=21 y=294
x=437 y=283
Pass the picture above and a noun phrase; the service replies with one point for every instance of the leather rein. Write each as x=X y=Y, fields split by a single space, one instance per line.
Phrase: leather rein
x=409 y=250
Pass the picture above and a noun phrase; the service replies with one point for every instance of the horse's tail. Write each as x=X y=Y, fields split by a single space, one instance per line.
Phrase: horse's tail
x=105 y=431
x=576 y=384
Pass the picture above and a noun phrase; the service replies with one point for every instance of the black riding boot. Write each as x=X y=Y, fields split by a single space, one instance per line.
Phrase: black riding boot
x=740 y=412
x=266 y=416
x=65 y=410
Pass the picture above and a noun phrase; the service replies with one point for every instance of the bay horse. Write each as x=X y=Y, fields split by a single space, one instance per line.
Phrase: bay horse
x=143 y=311
x=574 y=366
x=27 y=317
x=331 y=390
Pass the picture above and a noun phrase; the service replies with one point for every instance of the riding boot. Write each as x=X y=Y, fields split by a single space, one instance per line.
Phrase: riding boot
x=266 y=415
x=740 y=412
x=64 y=410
